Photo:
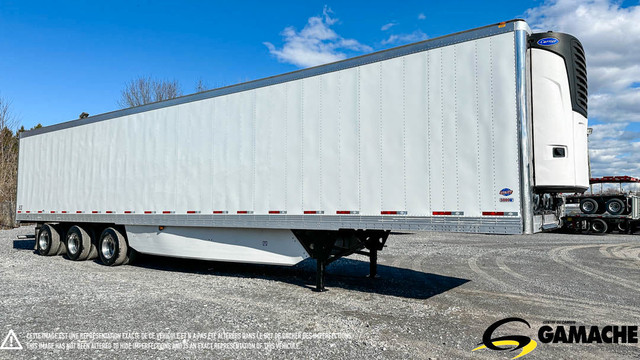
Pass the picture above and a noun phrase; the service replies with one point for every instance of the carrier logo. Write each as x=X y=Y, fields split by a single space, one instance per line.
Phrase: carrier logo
x=512 y=342
x=548 y=41
x=506 y=192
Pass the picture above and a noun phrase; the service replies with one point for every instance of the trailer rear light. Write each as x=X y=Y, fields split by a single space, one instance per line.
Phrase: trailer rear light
x=245 y=212
x=129 y=212
x=193 y=212
x=277 y=212
x=347 y=212
x=220 y=212
x=168 y=212
x=310 y=212
x=149 y=212
x=393 y=212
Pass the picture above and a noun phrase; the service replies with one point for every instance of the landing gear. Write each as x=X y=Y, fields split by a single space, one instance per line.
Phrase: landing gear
x=328 y=246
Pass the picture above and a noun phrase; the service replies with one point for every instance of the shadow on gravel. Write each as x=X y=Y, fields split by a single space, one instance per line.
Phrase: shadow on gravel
x=24 y=244
x=344 y=273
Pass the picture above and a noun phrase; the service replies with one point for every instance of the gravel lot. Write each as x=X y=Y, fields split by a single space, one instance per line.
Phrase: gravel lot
x=436 y=296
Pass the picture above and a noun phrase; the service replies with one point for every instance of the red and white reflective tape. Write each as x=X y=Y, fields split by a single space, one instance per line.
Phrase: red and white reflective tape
x=53 y=212
x=95 y=212
x=313 y=212
x=245 y=212
x=129 y=212
x=64 y=211
x=79 y=212
x=220 y=212
x=347 y=212
x=168 y=212
x=447 y=213
x=499 y=213
x=149 y=212
x=393 y=212
x=110 y=212
x=193 y=212
x=277 y=212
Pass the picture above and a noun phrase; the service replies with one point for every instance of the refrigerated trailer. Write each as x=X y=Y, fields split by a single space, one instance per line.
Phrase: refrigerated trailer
x=479 y=131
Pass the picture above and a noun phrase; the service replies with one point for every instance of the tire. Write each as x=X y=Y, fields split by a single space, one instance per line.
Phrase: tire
x=615 y=206
x=48 y=241
x=599 y=226
x=588 y=206
x=79 y=244
x=623 y=227
x=113 y=248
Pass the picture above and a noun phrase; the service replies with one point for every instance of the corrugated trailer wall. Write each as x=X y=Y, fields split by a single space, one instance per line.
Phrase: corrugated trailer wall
x=427 y=132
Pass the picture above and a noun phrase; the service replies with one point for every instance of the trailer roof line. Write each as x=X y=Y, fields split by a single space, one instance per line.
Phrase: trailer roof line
x=477 y=33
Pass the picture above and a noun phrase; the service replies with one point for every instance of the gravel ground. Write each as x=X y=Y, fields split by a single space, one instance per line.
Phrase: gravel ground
x=436 y=295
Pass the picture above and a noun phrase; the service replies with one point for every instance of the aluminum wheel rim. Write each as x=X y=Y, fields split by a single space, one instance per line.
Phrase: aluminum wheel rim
x=43 y=240
x=615 y=207
x=588 y=206
x=73 y=243
x=108 y=247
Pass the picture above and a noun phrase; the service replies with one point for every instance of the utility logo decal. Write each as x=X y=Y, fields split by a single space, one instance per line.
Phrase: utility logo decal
x=506 y=192
x=512 y=342
x=548 y=41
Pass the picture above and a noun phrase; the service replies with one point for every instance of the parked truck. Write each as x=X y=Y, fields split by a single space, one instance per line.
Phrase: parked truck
x=480 y=131
x=602 y=212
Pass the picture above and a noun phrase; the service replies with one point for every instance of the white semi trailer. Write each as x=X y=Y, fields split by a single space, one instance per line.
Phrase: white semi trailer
x=478 y=131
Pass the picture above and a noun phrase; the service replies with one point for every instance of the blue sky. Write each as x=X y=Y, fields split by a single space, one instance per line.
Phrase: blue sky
x=60 y=59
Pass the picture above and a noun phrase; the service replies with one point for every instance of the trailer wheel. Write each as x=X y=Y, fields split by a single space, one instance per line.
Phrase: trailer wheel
x=113 y=248
x=599 y=226
x=588 y=206
x=79 y=244
x=623 y=226
x=48 y=242
x=615 y=206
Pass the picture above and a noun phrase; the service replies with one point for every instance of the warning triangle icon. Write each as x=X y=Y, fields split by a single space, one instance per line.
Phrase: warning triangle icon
x=11 y=342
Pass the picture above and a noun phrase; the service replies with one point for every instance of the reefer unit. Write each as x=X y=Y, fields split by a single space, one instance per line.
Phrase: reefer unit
x=472 y=132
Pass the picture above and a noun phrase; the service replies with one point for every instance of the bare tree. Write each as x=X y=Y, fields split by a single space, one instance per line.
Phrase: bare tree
x=201 y=86
x=8 y=163
x=145 y=90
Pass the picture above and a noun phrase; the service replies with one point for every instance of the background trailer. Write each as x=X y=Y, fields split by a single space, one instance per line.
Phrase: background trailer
x=477 y=131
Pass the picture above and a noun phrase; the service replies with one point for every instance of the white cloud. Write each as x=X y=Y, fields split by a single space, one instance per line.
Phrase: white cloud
x=610 y=34
x=421 y=16
x=614 y=150
x=398 y=39
x=388 y=26
x=317 y=43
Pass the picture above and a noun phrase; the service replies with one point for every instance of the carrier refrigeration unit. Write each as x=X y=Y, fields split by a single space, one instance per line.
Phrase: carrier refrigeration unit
x=478 y=131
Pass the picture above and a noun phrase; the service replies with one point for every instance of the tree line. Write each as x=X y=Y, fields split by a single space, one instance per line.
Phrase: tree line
x=139 y=91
